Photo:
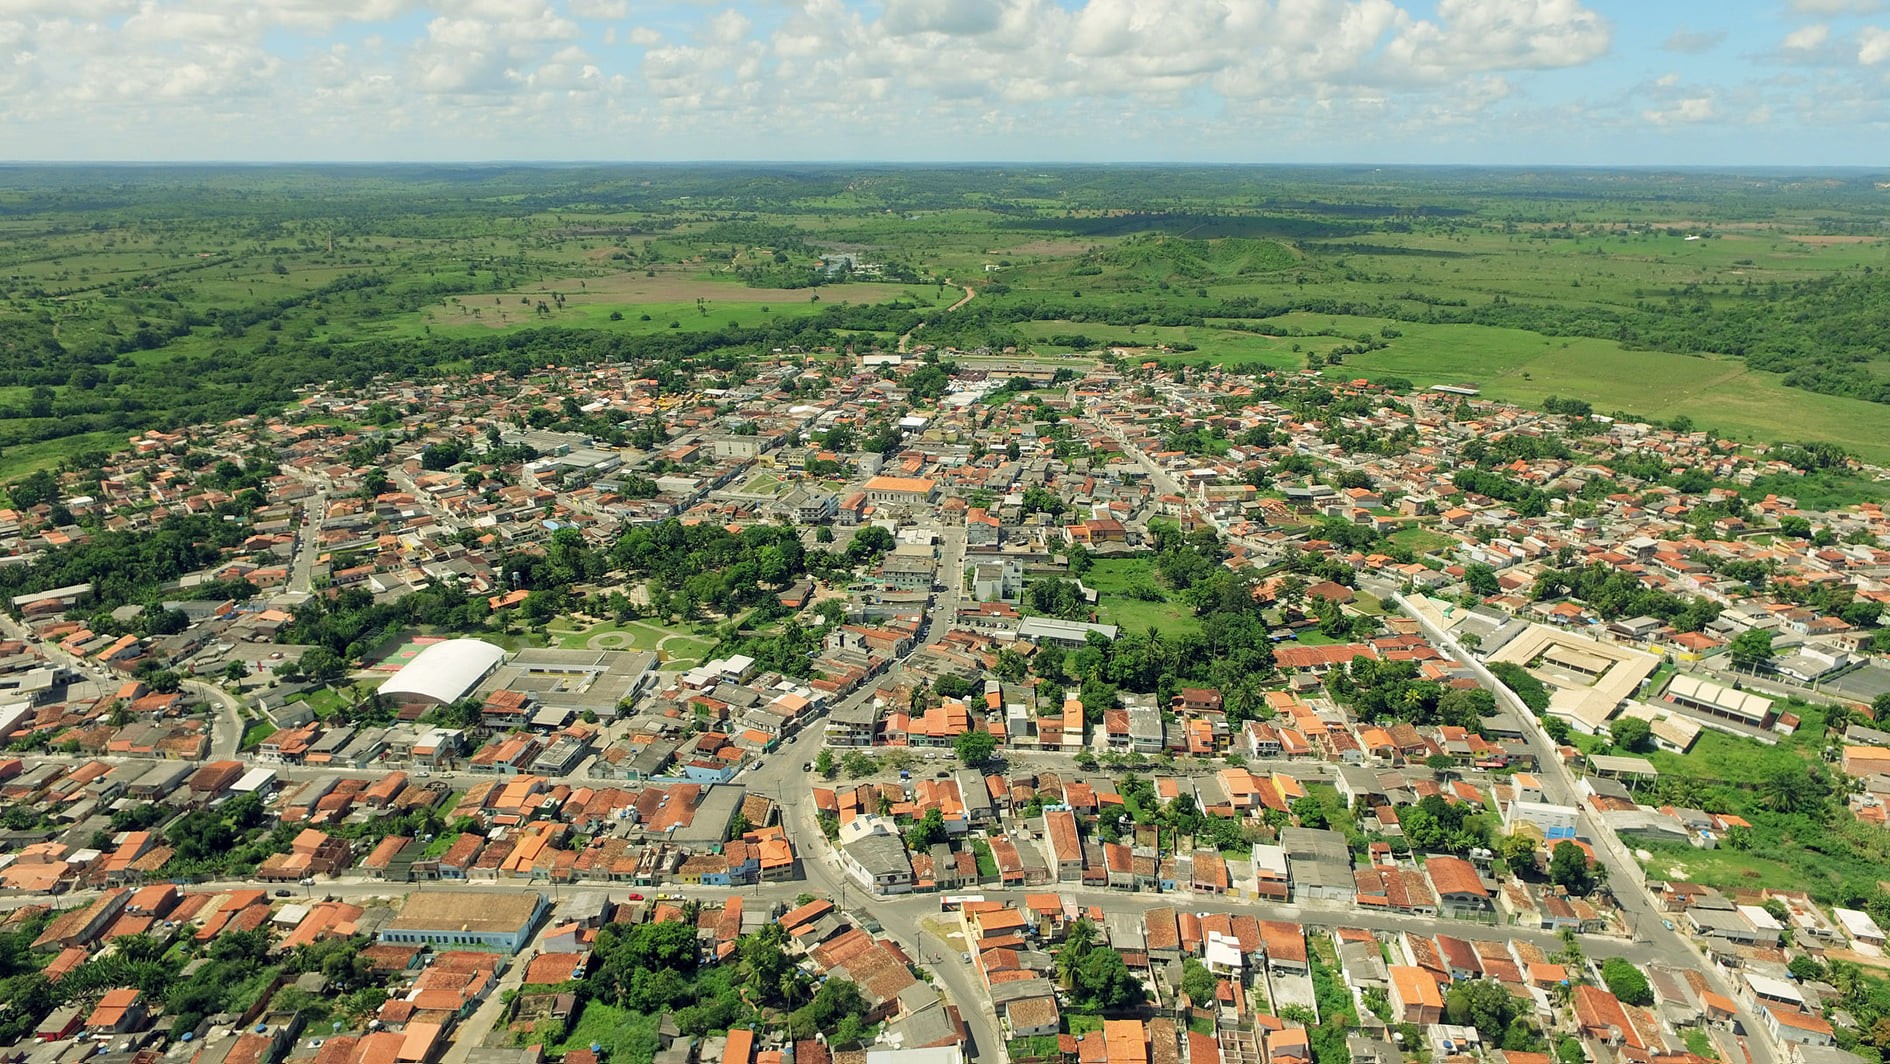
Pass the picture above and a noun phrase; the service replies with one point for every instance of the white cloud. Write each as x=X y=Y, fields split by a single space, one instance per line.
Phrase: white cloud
x=1807 y=38
x=955 y=17
x=1836 y=7
x=1693 y=42
x=1688 y=111
x=1873 y=45
x=1483 y=35
x=885 y=77
x=600 y=9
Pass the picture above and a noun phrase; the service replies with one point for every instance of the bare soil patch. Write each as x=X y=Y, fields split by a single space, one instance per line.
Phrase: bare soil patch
x=1826 y=241
x=679 y=287
x=1052 y=248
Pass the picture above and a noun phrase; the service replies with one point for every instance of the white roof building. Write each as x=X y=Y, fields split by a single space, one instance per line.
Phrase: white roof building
x=1859 y=926
x=445 y=672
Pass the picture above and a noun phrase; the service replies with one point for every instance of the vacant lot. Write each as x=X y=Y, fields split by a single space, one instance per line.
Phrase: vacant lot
x=1111 y=577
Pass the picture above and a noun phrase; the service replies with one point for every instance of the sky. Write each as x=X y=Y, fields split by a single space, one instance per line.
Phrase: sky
x=1502 y=82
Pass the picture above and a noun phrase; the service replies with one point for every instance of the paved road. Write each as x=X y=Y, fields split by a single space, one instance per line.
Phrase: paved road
x=1163 y=480
x=782 y=778
x=1625 y=876
x=307 y=546
x=951 y=568
x=226 y=728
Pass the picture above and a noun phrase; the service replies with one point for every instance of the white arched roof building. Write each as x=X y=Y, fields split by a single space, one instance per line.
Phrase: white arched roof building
x=445 y=672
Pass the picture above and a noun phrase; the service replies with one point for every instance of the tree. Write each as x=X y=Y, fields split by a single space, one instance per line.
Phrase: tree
x=322 y=665
x=824 y=763
x=1794 y=790
x=1101 y=982
x=1631 y=733
x=1198 y=982
x=1309 y=812
x=1626 y=982
x=1518 y=852
x=928 y=831
x=975 y=747
x=1481 y=579
x=868 y=543
x=1568 y=868
x=1481 y=1003
x=1010 y=666
x=1751 y=649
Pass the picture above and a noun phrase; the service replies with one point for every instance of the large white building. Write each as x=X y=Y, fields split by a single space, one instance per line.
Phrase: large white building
x=444 y=673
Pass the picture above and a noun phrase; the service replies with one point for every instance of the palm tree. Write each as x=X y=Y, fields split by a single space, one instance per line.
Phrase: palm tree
x=1077 y=944
x=793 y=988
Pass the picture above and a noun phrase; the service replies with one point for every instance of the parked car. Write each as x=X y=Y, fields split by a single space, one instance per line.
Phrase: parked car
x=636 y=897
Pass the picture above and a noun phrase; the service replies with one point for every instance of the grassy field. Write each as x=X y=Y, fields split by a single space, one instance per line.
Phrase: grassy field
x=197 y=296
x=255 y=732
x=1718 y=393
x=633 y=303
x=625 y=1035
x=1734 y=870
x=678 y=646
x=1110 y=577
x=324 y=701
x=1717 y=756
x=23 y=459
x=1422 y=540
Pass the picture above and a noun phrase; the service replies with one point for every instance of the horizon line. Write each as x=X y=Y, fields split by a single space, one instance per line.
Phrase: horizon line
x=1151 y=164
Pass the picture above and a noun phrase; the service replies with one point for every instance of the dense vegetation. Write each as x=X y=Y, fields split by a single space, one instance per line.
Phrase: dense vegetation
x=182 y=295
x=656 y=967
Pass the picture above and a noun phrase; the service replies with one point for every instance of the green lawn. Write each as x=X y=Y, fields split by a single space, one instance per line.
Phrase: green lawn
x=1111 y=577
x=1729 y=869
x=1734 y=760
x=256 y=732
x=324 y=701
x=625 y=1035
x=680 y=644
x=27 y=457
x=1422 y=540
x=1313 y=637
x=440 y=844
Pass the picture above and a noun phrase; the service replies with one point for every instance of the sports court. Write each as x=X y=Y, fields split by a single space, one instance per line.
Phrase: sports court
x=404 y=653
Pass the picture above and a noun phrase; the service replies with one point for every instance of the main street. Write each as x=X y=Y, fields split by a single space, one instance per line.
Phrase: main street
x=1626 y=879
x=1162 y=478
x=782 y=778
